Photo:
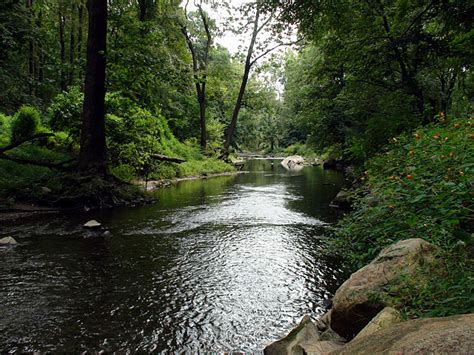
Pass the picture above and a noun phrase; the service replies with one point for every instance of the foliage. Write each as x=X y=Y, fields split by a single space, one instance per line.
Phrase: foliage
x=421 y=187
x=300 y=149
x=65 y=112
x=203 y=167
x=372 y=70
x=25 y=123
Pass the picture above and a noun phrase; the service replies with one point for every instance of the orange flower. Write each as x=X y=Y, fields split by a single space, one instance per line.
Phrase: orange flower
x=417 y=136
x=391 y=206
x=471 y=136
x=457 y=125
x=412 y=153
x=442 y=156
x=461 y=173
x=409 y=177
x=436 y=136
x=446 y=139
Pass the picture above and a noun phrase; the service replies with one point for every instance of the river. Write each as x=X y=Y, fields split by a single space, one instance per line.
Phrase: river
x=223 y=264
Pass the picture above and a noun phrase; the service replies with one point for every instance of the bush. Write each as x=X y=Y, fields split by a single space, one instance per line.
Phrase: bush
x=65 y=112
x=300 y=149
x=27 y=122
x=421 y=188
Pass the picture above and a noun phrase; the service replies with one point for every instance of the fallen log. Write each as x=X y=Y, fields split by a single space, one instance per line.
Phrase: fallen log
x=62 y=166
x=162 y=157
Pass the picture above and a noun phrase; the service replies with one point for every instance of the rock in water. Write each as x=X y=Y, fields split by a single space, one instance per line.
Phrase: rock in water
x=360 y=298
x=92 y=224
x=293 y=163
x=8 y=241
x=46 y=190
x=448 y=335
x=304 y=333
x=304 y=339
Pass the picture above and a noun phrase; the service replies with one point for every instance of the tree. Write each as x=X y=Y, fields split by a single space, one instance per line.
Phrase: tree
x=93 y=147
x=254 y=14
x=372 y=64
x=200 y=59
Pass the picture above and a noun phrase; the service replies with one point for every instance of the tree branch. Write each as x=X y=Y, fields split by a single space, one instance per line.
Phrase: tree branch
x=29 y=139
x=162 y=157
x=57 y=166
x=273 y=48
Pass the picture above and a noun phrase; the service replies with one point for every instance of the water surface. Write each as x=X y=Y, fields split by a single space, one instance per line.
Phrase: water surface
x=225 y=264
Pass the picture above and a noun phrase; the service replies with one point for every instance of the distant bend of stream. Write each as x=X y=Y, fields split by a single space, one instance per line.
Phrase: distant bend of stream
x=224 y=264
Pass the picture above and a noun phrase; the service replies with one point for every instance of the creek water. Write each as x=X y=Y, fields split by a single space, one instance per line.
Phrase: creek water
x=224 y=264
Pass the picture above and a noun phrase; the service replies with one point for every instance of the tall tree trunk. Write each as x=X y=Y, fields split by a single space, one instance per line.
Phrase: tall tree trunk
x=80 y=12
x=62 y=44
x=142 y=10
x=200 y=67
x=31 y=50
x=71 y=48
x=202 y=116
x=243 y=85
x=93 y=147
x=40 y=51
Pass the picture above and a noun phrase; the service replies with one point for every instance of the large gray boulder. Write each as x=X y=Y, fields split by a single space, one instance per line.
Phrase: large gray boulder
x=361 y=297
x=293 y=163
x=449 y=335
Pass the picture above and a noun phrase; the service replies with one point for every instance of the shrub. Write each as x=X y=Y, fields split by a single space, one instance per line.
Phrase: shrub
x=421 y=187
x=27 y=122
x=64 y=113
x=300 y=149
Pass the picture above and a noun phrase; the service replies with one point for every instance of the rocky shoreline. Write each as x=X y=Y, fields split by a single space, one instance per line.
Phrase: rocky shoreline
x=362 y=320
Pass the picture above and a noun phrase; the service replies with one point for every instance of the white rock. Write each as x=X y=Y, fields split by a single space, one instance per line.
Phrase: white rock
x=293 y=163
x=8 y=241
x=92 y=224
x=46 y=190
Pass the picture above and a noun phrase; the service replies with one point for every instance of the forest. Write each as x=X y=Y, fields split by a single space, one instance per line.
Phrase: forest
x=98 y=97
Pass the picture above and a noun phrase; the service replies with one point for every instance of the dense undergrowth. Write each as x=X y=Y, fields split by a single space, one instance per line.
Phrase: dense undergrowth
x=421 y=187
x=135 y=136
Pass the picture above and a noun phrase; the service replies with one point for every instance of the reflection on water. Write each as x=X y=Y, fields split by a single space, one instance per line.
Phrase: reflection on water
x=224 y=264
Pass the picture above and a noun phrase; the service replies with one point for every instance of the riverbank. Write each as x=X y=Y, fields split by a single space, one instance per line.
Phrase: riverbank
x=157 y=184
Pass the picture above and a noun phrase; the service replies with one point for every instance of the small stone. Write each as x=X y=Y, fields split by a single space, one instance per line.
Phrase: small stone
x=46 y=190
x=106 y=234
x=92 y=224
x=8 y=241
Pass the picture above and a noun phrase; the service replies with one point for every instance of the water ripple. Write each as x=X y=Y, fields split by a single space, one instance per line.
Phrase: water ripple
x=220 y=265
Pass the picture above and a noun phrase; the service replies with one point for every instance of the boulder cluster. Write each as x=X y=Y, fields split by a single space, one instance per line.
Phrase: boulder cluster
x=360 y=320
